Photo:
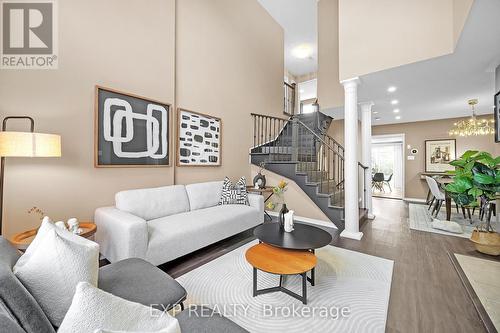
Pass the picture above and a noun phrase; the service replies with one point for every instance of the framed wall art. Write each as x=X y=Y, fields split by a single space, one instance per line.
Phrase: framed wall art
x=130 y=130
x=439 y=154
x=199 y=139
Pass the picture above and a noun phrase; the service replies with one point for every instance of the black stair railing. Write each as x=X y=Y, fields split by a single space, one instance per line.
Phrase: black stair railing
x=317 y=154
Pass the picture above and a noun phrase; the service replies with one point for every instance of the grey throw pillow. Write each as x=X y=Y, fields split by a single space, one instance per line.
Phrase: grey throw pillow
x=234 y=194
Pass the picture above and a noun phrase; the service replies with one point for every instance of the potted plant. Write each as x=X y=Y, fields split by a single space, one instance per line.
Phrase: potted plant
x=476 y=183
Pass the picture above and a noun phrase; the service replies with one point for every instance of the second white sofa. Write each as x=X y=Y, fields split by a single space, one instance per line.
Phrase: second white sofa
x=164 y=223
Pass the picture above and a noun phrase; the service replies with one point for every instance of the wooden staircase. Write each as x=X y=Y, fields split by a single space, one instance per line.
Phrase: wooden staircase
x=299 y=148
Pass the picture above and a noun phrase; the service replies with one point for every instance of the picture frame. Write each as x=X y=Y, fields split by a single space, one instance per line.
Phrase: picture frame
x=199 y=139
x=496 y=103
x=438 y=154
x=144 y=126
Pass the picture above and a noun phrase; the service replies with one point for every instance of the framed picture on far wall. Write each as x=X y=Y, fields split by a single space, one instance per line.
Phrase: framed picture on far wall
x=497 y=117
x=130 y=130
x=439 y=154
x=199 y=139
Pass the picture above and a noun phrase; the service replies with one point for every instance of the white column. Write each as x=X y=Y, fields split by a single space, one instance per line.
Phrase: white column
x=366 y=152
x=351 y=205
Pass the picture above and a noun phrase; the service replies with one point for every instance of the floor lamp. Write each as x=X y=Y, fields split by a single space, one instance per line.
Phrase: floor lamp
x=24 y=144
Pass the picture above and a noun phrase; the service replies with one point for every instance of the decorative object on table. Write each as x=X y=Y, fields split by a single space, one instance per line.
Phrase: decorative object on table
x=259 y=181
x=497 y=117
x=234 y=194
x=289 y=221
x=281 y=218
x=74 y=226
x=270 y=205
x=37 y=211
x=439 y=154
x=24 y=144
x=472 y=126
x=279 y=192
x=199 y=139
x=476 y=183
x=130 y=130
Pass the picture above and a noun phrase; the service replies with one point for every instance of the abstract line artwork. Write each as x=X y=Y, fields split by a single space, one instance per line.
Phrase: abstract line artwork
x=131 y=130
x=199 y=139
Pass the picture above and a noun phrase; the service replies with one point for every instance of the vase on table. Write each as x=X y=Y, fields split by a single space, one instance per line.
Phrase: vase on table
x=281 y=217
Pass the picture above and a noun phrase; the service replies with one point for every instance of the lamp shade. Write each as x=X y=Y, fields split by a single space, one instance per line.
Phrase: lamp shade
x=27 y=144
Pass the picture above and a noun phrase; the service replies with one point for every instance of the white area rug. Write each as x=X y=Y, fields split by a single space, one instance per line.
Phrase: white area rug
x=419 y=219
x=483 y=276
x=358 y=283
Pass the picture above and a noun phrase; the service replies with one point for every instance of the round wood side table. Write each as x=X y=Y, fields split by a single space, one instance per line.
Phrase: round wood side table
x=282 y=262
x=22 y=240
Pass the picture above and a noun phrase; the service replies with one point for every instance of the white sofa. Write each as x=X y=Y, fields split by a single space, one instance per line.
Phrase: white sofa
x=164 y=223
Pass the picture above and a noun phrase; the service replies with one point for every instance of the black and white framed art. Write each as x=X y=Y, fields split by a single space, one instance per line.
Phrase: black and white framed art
x=199 y=139
x=130 y=130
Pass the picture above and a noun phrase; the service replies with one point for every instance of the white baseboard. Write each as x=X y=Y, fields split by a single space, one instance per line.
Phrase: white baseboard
x=352 y=235
x=328 y=224
x=418 y=200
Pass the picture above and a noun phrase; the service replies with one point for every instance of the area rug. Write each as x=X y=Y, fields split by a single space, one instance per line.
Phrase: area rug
x=483 y=277
x=351 y=293
x=419 y=219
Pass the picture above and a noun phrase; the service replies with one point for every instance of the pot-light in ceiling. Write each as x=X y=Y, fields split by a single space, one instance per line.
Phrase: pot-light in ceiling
x=377 y=118
x=302 y=51
x=398 y=117
x=375 y=112
x=394 y=102
x=395 y=110
x=392 y=89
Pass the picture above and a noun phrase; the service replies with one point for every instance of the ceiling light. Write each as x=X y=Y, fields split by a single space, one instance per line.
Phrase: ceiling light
x=302 y=51
x=395 y=110
x=375 y=112
x=398 y=117
x=377 y=118
x=301 y=91
x=473 y=126
x=391 y=89
x=394 y=102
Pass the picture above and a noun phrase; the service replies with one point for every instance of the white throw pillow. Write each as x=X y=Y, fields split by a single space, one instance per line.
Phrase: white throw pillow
x=53 y=265
x=449 y=226
x=93 y=309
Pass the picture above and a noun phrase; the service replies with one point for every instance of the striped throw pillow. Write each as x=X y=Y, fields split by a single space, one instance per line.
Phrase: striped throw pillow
x=234 y=194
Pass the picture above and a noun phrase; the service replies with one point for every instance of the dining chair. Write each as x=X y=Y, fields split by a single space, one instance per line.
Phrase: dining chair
x=378 y=181
x=439 y=196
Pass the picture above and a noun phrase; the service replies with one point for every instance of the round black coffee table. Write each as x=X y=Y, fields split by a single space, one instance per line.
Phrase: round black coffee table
x=303 y=237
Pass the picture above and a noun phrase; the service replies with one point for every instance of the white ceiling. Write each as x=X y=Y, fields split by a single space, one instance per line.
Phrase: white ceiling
x=439 y=88
x=299 y=21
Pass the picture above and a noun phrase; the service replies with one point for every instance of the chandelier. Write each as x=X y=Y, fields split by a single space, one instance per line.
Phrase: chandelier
x=472 y=126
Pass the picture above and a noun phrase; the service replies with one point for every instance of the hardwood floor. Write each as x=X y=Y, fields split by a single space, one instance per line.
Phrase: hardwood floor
x=427 y=294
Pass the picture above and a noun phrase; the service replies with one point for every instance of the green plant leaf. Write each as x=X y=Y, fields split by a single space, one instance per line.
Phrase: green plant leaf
x=483 y=178
x=460 y=184
x=458 y=163
x=468 y=154
x=497 y=160
x=468 y=166
x=475 y=192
